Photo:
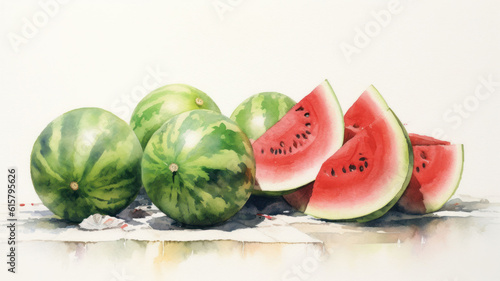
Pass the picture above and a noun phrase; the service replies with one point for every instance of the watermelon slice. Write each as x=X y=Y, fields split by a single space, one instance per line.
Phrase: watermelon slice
x=437 y=171
x=365 y=178
x=289 y=154
x=363 y=112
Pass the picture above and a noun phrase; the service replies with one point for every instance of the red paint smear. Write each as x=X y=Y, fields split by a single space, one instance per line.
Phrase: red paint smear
x=266 y=216
x=108 y=220
x=22 y=204
x=123 y=226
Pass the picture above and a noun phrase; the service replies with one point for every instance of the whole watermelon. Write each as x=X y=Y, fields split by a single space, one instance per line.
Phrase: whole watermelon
x=199 y=168
x=84 y=162
x=259 y=112
x=162 y=104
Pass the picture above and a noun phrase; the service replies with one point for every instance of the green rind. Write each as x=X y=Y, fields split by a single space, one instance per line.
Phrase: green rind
x=380 y=101
x=430 y=210
x=162 y=104
x=216 y=168
x=97 y=150
x=275 y=193
x=260 y=112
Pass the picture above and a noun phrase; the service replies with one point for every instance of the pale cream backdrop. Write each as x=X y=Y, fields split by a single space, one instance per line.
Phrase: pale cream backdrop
x=437 y=63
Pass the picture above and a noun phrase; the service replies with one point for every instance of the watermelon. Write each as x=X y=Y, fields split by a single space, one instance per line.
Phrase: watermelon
x=364 y=178
x=363 y=112
x=199 y=168
x=367 y=176
x=163 y=103
x=437 y=170
x=86 y=161
x=259 y=112
x=290 y=153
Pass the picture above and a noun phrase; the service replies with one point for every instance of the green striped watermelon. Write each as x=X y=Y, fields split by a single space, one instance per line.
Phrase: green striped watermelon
x=259 y=112
x=84 y=162
x=163 y=103
x=199 y=168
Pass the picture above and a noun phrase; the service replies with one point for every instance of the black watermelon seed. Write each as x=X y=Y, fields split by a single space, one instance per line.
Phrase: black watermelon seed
x=366 y=164
x=332 y=172
x=282 y=144
x=279 y=151
x=276 y=152
x=361 y=168
x=362 y=159
x=352 y=168
x=307 y=132
x=307 y=114
x=290 y=149
x=262 y=151
x=295 y=144
x=308 y=125
x=418 y=169
x=304 y=136
x=299 y=109
x=343 y=170
x=355 y=126
x=284 y=151
x=298 y=136
x=272 y=150
x=423 y=165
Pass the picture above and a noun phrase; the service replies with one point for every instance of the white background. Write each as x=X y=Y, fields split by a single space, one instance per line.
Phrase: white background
x=427 y=59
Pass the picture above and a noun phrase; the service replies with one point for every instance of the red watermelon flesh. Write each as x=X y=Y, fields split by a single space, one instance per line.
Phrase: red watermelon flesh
x=425 y=140
x=436 y=175
x=364 y=178
x=290 y=153
x=363 y=112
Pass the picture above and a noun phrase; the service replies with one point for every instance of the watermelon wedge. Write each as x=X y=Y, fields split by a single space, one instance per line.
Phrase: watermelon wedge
x=437 y=171
x=363 y=112
x=289 y=154
x=364 y=178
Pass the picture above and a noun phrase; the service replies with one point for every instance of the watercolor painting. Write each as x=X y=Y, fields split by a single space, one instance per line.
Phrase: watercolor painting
x=250 y=140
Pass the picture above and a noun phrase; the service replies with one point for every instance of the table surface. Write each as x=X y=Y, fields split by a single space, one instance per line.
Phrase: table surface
x=267 y=240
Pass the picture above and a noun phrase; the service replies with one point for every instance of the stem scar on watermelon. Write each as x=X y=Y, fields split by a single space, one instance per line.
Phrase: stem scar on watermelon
x=438 y=167
x=290 y=153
